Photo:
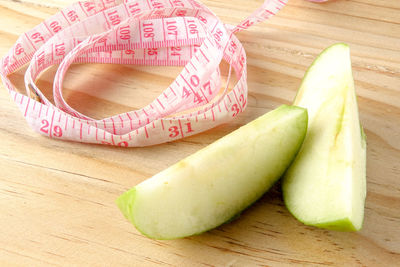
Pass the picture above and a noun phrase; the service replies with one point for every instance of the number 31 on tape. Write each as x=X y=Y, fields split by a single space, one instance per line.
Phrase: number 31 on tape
x=156 y=32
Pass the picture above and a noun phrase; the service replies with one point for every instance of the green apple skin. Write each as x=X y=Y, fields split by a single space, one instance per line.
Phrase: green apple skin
x=326 y=184
x=216 y=183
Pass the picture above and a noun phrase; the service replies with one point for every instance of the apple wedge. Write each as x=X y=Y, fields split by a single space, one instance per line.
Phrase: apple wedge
x=216 y=183
x=326 y=184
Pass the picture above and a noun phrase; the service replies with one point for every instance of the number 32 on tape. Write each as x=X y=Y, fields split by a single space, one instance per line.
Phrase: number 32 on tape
x=152 y=32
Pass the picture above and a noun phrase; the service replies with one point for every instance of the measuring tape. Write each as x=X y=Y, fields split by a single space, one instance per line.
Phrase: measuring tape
x=147 y=32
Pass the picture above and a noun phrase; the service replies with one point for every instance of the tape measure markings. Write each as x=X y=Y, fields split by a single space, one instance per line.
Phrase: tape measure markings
x=135 y=32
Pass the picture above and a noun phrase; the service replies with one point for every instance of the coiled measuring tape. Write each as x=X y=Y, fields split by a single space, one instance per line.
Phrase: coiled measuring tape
x=145 y=32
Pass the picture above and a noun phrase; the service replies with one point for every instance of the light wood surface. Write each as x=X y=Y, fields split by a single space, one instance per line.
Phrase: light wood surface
x=57 y=198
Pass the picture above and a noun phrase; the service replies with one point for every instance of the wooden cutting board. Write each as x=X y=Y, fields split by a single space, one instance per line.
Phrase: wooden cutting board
x=57 y=198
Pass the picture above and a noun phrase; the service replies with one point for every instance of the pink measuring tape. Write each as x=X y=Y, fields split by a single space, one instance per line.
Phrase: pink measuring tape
x=145 y=32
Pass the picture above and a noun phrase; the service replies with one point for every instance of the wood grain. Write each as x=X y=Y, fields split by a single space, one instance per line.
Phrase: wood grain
x=57 y=198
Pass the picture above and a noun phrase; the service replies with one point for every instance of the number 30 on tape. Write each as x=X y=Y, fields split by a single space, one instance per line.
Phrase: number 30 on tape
x=147 y=32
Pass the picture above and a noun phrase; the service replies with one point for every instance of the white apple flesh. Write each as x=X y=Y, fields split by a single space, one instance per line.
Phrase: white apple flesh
x=326 y=184
x=216 y=183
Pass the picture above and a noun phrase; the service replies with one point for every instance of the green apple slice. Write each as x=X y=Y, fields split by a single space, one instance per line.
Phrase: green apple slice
x=216 y=183
x=326 y=184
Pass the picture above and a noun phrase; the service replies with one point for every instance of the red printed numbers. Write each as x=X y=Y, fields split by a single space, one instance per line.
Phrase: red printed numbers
x=122 y=144
x=156 y=4
x=235 y=109
x=114 y=17
x=174 y=130
x=55 y=26
x=176 y=51
x=177 y=3
x=152 y=51
x=134 y=8
x=172 y=29
x=37 y=37
x=89 y=6
x=56 y=131
x=18 y=49
x=72 y=16
x=148 y=30
x=59 y=49
x=218 y=34
x=125 y=33
x=192 y=27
